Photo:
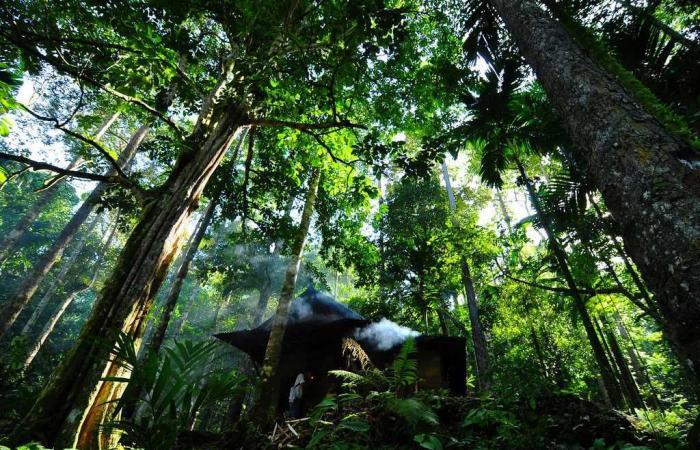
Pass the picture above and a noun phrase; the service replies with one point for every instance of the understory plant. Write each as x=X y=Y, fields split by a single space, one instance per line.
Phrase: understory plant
x=372 y=396
x=166 y=391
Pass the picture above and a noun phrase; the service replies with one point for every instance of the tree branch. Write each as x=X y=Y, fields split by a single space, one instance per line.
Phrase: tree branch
x=103 y=151
x=39 y=165
x=568 y=291
x=110 y=179
x=61 y=66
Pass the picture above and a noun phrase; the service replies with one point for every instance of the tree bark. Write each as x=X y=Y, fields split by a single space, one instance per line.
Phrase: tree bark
x=606 y=370
x=70 y=408
x=31 y=281
x=45 y=197
x=176 y=287
x=478 y=337
x=634 y=162
x=51 y=324
x=65 y=267
x=266 y=406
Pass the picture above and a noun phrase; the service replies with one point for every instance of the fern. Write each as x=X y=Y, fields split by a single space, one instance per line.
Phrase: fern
x=404 y=369
x=350 y=379
x=412 y=410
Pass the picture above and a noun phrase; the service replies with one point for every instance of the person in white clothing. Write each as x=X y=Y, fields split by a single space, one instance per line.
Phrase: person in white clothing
x=295 y=395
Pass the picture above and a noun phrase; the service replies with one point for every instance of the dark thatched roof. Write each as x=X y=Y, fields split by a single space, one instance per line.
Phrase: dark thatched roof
x=313 y=317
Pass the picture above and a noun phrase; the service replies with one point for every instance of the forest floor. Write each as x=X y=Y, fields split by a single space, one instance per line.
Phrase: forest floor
x=551 y=422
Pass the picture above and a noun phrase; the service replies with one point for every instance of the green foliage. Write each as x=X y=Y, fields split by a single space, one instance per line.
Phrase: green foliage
x=166 y=392
x=428 y=441
x=421 y=79
x=601 y=53
x=404 y=368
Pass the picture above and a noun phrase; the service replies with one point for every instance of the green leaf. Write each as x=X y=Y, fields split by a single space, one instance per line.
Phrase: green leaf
x=354 y=423
x=6 y=125
x=428 y=441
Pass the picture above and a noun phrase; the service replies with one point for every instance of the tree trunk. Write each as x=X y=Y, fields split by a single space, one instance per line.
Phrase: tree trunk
x=504 y=210
x=69 y=410
x=606 y=370
x=266 y=406
x=634 y=397
x=186 y=313
x=176 y=287
x=31 y=281
x=65 y=267
x=51 y=324
x=634 y=162
x=478 y=338
x=640 y=370
x=45 y=197
x=266 y=289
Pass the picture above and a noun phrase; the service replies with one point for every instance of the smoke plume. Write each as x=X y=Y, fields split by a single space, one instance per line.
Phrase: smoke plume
x=300 y=309
x=385 y=334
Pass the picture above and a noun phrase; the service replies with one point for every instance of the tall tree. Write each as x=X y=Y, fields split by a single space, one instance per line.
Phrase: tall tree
x=58 y=279
x=266 y=405
x=478 y=338
x=49 y=326
x=635 y=163
x=612 y=388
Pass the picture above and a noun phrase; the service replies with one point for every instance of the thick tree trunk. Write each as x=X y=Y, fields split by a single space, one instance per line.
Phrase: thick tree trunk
x=31 y=282
x=70 y=408
x=606 y=370
x=266 y=406
x=634 y=162
x=45 y=197
x=176 y=287
x=478 y=337
x=65 y=267
x=53 y=320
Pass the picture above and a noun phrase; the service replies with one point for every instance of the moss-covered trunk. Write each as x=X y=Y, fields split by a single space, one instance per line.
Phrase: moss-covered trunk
x=634 y=162
x=69 y=410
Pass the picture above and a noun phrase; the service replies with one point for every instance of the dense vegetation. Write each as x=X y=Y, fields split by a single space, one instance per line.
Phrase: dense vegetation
x=521 y=173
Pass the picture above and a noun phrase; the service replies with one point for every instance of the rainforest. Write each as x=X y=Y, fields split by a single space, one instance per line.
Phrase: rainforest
x=349 y=224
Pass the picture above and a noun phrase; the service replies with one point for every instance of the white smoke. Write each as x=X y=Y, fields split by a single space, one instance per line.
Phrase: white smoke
x=301 y=309
x=385 y=334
